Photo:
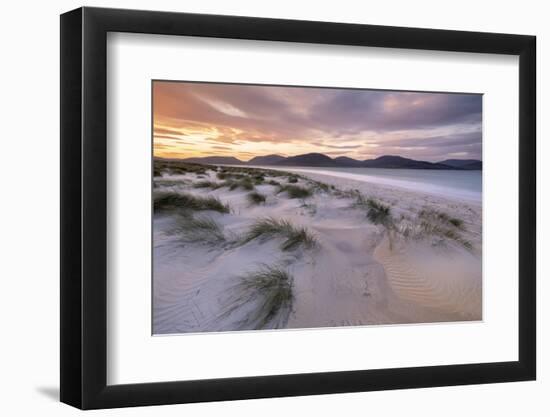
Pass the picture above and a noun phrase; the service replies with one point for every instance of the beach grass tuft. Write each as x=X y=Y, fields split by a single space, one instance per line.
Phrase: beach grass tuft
x=270 y=292
x=258 y=178
x=245 y=183
x=223 y=175
x=160 y=182
x=456 y=222
x=174 y=201
x=199 y=229
x=295 y=191
x=440 y=217
x=179 y=167
x=431 y=228
x=293 y=236
x=431 y=222
x=206 y=184
x=321 y=186
x=377 y=212
x=256 y=198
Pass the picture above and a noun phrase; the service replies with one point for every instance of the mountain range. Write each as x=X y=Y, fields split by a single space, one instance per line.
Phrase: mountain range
x=321 y=160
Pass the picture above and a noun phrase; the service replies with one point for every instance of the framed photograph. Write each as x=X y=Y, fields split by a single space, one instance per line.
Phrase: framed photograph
x=257 y=208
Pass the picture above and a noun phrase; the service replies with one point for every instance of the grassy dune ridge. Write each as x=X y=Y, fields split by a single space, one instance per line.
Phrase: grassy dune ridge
x=427 y=222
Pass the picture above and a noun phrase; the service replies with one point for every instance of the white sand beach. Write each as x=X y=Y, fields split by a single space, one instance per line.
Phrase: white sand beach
x=350 y=252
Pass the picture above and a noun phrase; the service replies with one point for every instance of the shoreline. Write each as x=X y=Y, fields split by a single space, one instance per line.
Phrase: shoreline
x=380 y=181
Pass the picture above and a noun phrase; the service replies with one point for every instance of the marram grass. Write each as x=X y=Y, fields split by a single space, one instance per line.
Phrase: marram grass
x=183 y=201
x=266 y=295
x=294 y=237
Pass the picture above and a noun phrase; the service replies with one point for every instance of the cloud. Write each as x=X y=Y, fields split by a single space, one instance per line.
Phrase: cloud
x=224 y=107
x=357 y=110
x=337 y=146
x=442 y=141
x=167 y=131
x=253 y=118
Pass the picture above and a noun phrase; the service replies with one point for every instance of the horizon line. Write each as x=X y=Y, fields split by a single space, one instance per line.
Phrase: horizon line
x=316 y=153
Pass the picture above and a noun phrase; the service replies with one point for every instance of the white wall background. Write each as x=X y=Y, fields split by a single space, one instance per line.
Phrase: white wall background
x=29 y=302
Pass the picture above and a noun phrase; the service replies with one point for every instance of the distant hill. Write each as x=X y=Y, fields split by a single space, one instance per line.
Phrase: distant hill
x=469 y=164
x=474 y=166
x=224 y=160
x=348 y=162
x=310 y=160
x=322 y=160
x=266 y=160
x=393 y=161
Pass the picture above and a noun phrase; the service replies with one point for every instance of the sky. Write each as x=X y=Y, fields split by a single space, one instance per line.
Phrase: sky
x=206 y=119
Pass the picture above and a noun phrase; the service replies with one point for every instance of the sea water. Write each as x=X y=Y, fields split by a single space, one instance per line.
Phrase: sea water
x=448 y=183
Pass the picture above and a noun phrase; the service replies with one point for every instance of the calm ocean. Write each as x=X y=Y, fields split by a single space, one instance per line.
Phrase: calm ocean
x=448 y=183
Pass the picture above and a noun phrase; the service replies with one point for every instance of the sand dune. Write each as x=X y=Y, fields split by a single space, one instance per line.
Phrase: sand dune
x=351 y=276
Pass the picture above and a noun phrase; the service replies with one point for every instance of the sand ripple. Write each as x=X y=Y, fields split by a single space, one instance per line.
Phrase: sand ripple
x=441 y=283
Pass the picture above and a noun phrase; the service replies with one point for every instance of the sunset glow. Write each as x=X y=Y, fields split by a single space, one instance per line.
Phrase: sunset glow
x=207 y=119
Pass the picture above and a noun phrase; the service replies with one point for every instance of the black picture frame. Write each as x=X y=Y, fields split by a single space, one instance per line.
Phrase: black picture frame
x=84 y=207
